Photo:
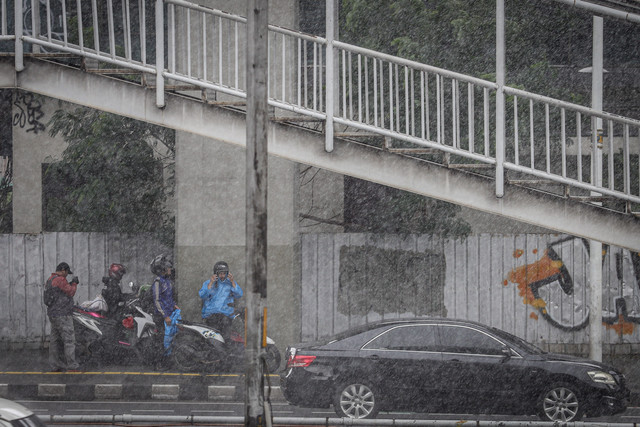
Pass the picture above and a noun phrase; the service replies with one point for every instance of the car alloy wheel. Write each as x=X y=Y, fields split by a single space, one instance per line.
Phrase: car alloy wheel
x=355 y=400
x=560 y=403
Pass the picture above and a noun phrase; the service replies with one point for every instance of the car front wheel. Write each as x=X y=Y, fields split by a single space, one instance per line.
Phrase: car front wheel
x=355 y=400
x=560 y=402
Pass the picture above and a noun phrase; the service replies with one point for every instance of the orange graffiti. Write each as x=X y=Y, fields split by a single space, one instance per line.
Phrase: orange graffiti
x=535 y=251
x=525 y=275
x=506 y=282
x=533 y=315
x=622 y=327
x=518 y=253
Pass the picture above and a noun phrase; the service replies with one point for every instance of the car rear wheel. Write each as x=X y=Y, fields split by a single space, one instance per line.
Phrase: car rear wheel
x=560 y=402
x=355 y=400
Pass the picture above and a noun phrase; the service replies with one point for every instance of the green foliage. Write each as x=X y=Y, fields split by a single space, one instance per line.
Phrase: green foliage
x=375 y=208
x=112 y=177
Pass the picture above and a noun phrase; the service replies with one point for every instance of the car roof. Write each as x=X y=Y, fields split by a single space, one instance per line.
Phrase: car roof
x=10 y=410
x=397 y=321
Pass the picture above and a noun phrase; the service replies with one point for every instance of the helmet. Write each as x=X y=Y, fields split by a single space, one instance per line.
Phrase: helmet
x=160 y=264
x=220 y=266
x=116 y=271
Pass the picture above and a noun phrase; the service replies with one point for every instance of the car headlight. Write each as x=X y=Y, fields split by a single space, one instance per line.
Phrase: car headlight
x=601 y=377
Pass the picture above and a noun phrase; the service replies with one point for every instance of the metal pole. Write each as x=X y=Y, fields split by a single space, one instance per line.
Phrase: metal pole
x=500 y=52
x=256 y=204
x=595 y=247
x=331 y=74
x=19 y=64
x=159 y=53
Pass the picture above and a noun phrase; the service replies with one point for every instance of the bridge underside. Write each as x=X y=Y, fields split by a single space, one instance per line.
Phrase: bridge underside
x=348 y=158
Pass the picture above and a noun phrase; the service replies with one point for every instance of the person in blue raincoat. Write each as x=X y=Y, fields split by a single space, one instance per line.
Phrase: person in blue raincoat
x=218 y=296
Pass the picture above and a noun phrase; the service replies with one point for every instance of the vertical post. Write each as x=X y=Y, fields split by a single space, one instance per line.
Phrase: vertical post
x=256 y=204
x=18 y=30
x=159 y=53
x=35 y=23
x=331 y=73
x=500 y=132
x=595 y=248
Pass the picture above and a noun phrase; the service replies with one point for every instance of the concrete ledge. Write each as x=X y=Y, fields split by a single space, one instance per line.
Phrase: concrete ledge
x=221 y=392
x=108 y=391
x=276 y=394
x=51 y=390
x=165 y=391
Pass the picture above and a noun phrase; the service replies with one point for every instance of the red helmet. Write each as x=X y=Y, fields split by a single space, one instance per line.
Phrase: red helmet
x=116 y=271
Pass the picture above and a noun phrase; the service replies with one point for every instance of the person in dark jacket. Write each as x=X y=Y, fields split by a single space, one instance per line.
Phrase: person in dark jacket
x=62 y=344
x=112 y=293
x=163 y=301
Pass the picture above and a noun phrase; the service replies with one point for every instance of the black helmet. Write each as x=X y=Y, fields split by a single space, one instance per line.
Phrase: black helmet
x=160 y=264
x=220 y=266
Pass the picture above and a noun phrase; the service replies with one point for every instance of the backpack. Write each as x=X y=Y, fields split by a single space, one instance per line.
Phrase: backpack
x=50 y=294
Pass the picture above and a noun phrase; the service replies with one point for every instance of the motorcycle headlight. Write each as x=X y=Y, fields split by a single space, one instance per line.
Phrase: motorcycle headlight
x=601 y=377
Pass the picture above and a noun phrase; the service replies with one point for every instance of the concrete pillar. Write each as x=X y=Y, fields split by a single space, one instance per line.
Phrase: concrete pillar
x=32 y=146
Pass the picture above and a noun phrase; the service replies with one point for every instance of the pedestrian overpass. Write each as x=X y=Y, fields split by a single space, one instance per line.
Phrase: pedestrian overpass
x=338 y=107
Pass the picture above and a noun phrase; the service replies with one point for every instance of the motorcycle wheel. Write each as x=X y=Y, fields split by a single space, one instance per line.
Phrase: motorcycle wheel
x=188 y=356
x=86 y=349
x=272 y=358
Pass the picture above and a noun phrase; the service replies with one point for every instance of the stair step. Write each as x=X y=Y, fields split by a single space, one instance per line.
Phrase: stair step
x=470 y=166
x=533 y=182
x=111 y=71
x=357 y=135
x=297 y=119
x=413 y=150
x=228 y=103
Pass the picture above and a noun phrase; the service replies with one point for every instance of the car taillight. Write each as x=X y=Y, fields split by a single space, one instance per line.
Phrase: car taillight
x=300 y=361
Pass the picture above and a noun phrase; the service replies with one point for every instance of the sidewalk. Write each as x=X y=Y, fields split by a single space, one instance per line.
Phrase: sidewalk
x=24 y=374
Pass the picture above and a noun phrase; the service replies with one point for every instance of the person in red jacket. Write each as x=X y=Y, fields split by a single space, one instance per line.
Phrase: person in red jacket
x=60 y=314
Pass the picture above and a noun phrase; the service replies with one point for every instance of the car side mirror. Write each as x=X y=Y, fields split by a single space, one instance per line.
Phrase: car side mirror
x=506 y=352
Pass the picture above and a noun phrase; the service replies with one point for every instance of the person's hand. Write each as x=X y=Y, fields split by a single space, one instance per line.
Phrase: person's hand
x=167 y=321
x=75 y=280
x=212 y=281
x=231 y=279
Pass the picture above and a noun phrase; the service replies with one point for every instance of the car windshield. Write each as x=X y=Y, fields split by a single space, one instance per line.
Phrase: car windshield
x=530 y=348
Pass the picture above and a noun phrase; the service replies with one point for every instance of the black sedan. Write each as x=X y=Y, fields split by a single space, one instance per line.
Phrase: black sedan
x=444 y=365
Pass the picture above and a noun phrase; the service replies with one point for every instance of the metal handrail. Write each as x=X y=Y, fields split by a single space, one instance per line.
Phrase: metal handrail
x=403 y=101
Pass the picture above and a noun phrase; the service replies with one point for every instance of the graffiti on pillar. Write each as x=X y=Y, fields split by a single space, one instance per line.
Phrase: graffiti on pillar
x=29 y=112
x=556 y=284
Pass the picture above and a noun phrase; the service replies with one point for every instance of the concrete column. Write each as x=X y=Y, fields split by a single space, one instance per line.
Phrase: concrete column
x=32 y=146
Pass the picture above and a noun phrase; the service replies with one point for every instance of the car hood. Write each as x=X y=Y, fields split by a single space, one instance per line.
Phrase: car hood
x=553 y=357
x=11 y=411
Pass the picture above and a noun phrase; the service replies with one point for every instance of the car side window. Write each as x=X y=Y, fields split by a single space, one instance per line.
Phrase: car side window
x=462 y=339
x=408 y=338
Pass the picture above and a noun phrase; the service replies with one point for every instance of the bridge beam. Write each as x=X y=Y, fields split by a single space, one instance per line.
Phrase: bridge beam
x=364 y=162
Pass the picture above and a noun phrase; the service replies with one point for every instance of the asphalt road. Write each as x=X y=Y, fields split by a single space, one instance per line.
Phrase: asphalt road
x=632 y=415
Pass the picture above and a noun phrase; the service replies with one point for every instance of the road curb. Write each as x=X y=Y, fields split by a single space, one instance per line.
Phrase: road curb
x=187 y=391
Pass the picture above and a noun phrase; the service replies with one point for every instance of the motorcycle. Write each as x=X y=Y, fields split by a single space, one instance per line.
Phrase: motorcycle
x=130 y=333
x=197 y=346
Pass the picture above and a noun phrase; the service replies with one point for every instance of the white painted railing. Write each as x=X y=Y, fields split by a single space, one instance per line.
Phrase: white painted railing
x=412 y=105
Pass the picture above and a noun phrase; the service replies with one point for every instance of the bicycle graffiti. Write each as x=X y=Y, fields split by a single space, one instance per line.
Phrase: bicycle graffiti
x=557 y=285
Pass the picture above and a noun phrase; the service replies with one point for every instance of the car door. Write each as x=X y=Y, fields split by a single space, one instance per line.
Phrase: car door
x=406 y=359
x=485 y=375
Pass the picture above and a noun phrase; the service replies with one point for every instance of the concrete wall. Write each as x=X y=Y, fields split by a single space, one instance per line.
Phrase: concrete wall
x=32 y=146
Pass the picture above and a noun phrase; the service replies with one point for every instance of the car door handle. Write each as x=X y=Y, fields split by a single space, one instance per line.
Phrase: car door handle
x=373 y=357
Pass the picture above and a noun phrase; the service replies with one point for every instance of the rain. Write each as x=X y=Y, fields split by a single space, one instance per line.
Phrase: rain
x=414 y=211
